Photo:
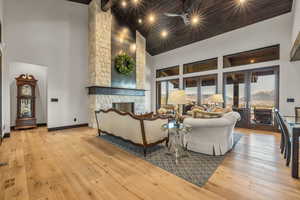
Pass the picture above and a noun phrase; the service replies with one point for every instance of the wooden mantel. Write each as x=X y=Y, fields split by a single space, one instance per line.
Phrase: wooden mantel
x=100 y=90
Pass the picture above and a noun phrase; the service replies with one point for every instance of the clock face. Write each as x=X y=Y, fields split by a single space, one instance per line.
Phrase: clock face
x=26 y=90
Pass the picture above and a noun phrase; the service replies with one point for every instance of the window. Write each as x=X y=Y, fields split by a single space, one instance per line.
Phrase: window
x=234 y=90
x=251 y=57
x=200 y=66
x=164 y=89
x=170 y=71
x=254 y=94
x=191 y=89
x=208 y=87
x=198 y=89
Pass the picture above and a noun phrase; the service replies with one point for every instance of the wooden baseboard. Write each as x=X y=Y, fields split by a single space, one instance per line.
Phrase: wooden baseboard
x=6 y=135
x=67 y=127
x=39 y=125
x=42 y=124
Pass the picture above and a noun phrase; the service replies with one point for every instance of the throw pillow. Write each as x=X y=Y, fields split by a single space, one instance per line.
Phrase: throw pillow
x=202 y=114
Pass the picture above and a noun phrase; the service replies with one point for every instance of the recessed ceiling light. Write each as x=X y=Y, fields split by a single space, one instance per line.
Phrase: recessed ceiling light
x=125 y=30
x=252 y=60
x=140 y=21
x=124 y=4
x=151 y=18
x=133 y=47
x=242 y=2
x=164 y=34
x=195 y=19
x=121 y=39
x=135 y=2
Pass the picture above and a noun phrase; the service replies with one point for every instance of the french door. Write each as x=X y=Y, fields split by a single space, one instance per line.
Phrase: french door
x=254 y=94
x=163 y=90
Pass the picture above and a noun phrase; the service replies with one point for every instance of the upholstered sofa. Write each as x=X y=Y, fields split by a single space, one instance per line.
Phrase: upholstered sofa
x=212 y=136
x=143 y=130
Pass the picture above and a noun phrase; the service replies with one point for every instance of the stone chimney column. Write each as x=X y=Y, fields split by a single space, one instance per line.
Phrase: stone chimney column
x=99 y=51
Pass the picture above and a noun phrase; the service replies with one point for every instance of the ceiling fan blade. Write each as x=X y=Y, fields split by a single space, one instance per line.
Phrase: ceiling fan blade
x=172 y=15
x=186 y=20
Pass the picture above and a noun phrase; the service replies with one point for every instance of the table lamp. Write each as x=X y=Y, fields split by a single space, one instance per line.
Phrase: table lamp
x=178 y=98
x=216 y=99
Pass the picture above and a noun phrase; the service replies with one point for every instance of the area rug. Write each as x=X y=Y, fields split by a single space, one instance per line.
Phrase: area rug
x=197 y=168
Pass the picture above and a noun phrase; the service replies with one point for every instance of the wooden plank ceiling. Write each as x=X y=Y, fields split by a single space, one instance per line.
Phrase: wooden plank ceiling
x=219 y=16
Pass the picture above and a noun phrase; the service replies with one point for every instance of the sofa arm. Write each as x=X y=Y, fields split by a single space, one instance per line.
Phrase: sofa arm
x=153 y=130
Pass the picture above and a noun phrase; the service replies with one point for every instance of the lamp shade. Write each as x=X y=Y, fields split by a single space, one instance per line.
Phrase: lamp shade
x=177 y=97
x=217 y=98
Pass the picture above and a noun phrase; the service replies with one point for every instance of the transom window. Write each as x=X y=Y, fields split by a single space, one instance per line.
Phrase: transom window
x=170 y=71
x=251 y=57
x=200 y=66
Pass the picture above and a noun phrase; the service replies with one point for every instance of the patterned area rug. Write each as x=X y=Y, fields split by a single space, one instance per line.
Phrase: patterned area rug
x=197 y=168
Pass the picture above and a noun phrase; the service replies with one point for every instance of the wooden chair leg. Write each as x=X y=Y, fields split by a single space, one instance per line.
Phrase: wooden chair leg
x=285 y=152
x=282 y=144
x=289 y=154
x=167 y=142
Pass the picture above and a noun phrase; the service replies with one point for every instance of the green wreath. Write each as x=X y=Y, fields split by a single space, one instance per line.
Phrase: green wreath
x=124 y=64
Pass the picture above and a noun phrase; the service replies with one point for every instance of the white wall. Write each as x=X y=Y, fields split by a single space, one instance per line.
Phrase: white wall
x=266 y=33
x=51 y=33
x=40 y=73
x=296 y=22
x=3 y=68
x=148 y=83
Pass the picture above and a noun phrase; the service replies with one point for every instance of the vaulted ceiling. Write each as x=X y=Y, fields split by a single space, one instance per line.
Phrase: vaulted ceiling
x=217 y=17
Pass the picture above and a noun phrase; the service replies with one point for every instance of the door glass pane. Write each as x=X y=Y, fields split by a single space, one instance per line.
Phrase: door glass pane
x=172 y=86
x=208 y=88
x=262 y=97
x=164 y=89
x=191 y=90
x=163 y=93
x=235 y=96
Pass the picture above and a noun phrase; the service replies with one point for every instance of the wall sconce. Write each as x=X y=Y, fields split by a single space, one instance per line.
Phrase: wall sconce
x=133 y=48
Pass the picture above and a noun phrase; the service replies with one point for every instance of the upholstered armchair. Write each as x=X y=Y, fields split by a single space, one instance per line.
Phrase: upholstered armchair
x=212 y=136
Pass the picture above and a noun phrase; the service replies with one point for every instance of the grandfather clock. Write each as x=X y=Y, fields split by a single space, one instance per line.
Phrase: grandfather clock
x=25 y=102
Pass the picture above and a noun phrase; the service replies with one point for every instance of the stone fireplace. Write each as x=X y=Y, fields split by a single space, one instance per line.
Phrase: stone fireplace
x=106 y=87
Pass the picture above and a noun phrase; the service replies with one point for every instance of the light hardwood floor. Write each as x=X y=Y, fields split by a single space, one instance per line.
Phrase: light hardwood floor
x=75 y=165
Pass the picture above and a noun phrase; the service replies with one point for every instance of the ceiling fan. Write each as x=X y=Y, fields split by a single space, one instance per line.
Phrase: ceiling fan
x=186 y=12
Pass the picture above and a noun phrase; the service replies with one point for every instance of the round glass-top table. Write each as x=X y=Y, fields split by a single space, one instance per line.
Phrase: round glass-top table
x=178 y=139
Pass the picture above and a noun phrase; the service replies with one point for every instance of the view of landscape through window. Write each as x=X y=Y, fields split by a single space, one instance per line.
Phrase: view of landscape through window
x=166 y=88
x=207 y=88
x=262 y=92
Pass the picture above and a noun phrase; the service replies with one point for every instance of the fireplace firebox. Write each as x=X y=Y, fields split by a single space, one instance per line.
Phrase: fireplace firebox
x=124 y=106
